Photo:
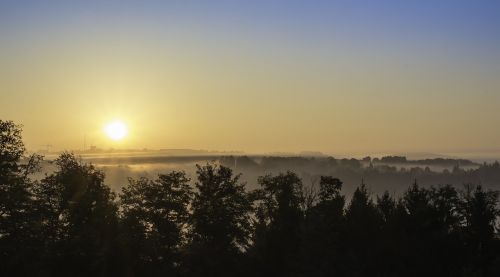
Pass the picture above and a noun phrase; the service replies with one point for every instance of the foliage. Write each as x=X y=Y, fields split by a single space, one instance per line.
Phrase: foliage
x=70 y=223
x=154 y=216
x=16 y=214
x=220 y=223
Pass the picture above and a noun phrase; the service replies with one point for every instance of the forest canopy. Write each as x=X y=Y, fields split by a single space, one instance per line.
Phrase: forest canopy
x=71 y=223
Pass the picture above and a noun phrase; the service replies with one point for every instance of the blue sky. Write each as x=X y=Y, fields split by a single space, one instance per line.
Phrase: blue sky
x=306 y=64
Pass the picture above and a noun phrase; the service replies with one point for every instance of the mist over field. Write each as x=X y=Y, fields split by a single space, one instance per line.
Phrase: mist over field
x=387 y=173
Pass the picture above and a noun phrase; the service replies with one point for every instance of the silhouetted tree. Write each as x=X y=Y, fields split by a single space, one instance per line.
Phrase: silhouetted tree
x=361 y=234
x=79 y=214
x=323 y=227
x=391 y=237
x=445 y=229
x=18 y=242
x=154 y=217
x=430 y=231
x=279 y=223
x=221 y=225
x=480 y=211
x=387 y=207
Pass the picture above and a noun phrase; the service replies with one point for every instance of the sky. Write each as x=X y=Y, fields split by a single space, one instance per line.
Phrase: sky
x=255 y=76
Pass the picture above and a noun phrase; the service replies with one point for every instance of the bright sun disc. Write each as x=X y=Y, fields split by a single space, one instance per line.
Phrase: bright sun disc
x=116 y=130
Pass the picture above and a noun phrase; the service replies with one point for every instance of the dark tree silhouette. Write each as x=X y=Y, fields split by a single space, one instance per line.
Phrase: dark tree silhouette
x=480 y=210
x=80 y=216
x=154 y=217
x=322 y=230
x=279 y=223
x=221 y=226
x=16 y=215
x=360 y=235
x=391 y=236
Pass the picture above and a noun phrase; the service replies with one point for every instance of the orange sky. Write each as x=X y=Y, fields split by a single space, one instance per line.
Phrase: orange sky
x=252 y=79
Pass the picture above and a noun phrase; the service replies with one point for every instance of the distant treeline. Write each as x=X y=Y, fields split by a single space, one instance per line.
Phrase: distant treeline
x=390 y=173
x=392 y=176
x=435 y=161
x=182 y=156
x=367 y=162
x=70 y=223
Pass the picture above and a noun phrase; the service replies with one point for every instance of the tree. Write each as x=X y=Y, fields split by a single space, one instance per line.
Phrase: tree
x=17 y=232
x=446 y=203
x=387 y=207
x=323 y=227
x=430 y=231
x=480 y=211
x=391 y=239
x=221 y=225
x=79 y=211
x=361 y=234
x=279 y=224
x=154 y=217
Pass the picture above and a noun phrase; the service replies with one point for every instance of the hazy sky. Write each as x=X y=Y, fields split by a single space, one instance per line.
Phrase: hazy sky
x=332 y=76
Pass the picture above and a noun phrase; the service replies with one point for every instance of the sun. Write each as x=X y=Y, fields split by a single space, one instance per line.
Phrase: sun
x=116 y=130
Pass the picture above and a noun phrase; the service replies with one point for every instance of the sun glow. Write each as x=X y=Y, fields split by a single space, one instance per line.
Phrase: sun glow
x=116 y=130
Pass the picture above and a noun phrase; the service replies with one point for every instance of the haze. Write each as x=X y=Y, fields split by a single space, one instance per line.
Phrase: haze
x=255 y=76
